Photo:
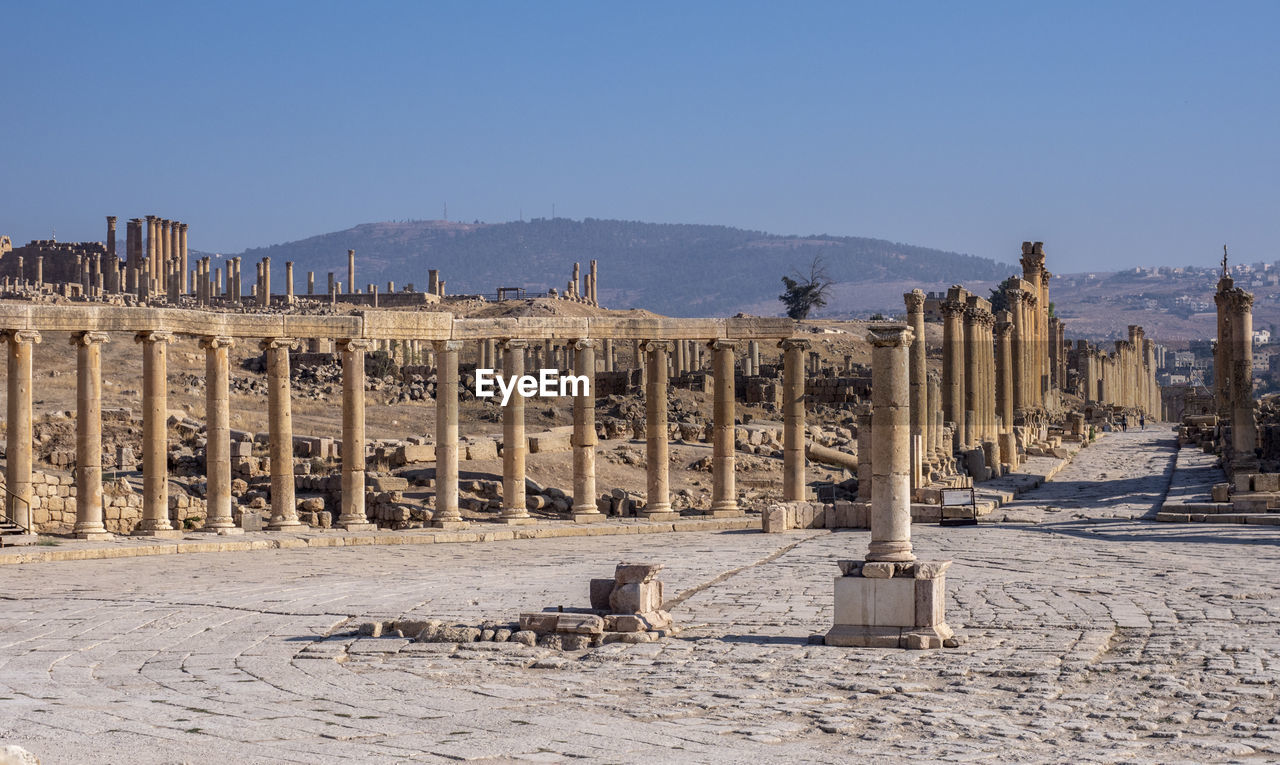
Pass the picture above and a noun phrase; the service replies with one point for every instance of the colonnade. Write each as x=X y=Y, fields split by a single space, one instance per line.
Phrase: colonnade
x=217 y=333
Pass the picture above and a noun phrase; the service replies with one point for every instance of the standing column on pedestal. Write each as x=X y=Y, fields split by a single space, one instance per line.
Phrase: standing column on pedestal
x=288 y=282
x=793 y=473
x=953 y=365
x=890 y=444
x=447 y=515
x=514 y=445
x=217 y=459
x=284 y=511
x=724 y=492
x=658 y=500
x=919 y=386
x=351 y=271
x=989 y=429
x=584 y=433
x=608 y=355
x=352 y=516
x=155 y=445
x=18 y=450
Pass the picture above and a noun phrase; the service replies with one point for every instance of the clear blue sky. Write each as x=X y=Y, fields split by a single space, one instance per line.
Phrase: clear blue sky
x=1119 y=133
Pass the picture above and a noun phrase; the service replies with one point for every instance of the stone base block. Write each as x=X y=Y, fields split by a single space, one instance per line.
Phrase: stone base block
x=595 y=517
x=450 y=525
x=160 y=533
x=737 y=513
x=357 y=526
x=284 y=525
x=17 y=540
x=516 y=521
x=224 y=531
x=95 y=536
x=666 y=515
x=890 y=605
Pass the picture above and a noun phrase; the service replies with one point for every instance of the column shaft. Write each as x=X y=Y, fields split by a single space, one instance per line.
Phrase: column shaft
x=724 y=493
x=891 y=444
x=514 y=445
x=155 y=445
x=447 y=515
x=217 y=456
x=284 y=510
x=352 y=516
x=584 y=434
x=793 y=377
x=657 y=466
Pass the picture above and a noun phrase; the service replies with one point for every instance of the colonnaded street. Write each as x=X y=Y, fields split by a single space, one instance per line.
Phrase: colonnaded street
x=1091 y=634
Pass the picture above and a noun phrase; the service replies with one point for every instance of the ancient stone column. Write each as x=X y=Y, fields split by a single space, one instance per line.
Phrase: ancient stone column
x=184 y=259
x=288 y=282
x=514 y=445
x=608 y=355
x=934 y=385
x=1004 y=369
x=1018 y=346
x=264 y=293
x=164 y=256
x=891 y=444
x=584 y=434
x=447 y=515
x=658 y=501
x=352 y=515
x=111 y=235
x=217 y=455
x=793 y=472
x=153 y=245
x=18 y=430
x=1244 y=429
x=753 y=347
x=990 y=429
x=972 y=375
x=724 y=493
x=919 y=385
x=1222 y=351
x=284 y=511
x=155 y=442
x=351 y=270
x=89 y=435
x=953 y=368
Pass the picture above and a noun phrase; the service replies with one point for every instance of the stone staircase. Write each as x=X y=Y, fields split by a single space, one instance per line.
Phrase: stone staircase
x=1191 y=494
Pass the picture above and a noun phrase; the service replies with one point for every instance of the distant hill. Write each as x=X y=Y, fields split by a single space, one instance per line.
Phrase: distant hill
x=674 y=269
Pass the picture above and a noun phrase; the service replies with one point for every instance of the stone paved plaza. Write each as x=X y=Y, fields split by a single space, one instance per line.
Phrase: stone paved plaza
x=1092 y=635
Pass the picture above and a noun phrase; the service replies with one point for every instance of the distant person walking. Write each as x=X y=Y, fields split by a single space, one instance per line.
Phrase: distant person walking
x=1142 y=421
x=1124 y=423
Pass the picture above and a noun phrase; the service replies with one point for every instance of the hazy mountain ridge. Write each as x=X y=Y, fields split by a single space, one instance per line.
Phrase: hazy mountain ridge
x=674 y=269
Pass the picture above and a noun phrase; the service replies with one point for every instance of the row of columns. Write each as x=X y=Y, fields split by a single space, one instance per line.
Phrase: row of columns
x=155 y=515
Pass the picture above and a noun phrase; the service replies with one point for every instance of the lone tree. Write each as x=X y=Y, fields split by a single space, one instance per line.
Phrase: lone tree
x=804 y=293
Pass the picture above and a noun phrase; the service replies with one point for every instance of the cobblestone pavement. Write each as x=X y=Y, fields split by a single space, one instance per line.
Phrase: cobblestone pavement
x=1094 y=638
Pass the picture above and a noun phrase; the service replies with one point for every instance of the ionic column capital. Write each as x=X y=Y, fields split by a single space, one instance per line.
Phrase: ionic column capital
x=721 y=344
x=351 y=345
x=153 y=336
x=88 y=338
x=443 y=346
x=213 y=342
x=270 y=343
x=794 y=344
x=18 y=336
x=889 y=335
x=583 y=343
x=513 y=344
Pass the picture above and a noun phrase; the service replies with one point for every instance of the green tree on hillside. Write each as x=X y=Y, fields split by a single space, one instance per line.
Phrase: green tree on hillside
x=804 y=293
